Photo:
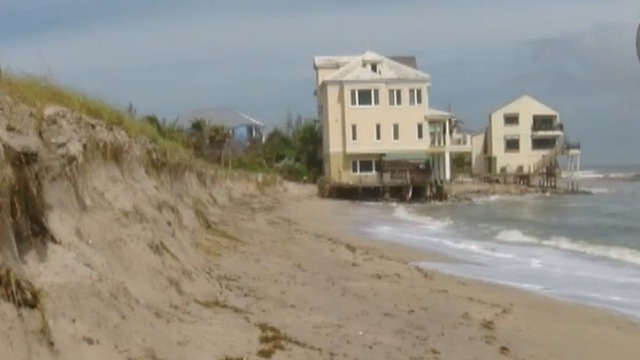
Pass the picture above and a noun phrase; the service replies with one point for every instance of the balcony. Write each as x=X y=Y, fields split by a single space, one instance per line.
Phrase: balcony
x=460 y=142
x=455 y=142
x=390 y=178
x=437 y=141
x=571 y=145
x=547 y=128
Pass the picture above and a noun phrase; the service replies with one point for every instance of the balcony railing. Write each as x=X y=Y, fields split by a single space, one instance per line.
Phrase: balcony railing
x=571 y=145
x=438 y=140
x=389 y=179
x=547 y=127
x=460 y=140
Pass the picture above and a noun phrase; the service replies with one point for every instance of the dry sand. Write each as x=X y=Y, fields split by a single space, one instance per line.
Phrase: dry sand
x=160 y=266
x=125 y=291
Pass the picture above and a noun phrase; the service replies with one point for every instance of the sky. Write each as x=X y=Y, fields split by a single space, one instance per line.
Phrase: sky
x=169 y=57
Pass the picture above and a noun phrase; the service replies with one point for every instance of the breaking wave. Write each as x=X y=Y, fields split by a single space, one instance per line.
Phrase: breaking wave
x=592 y=174
x=611 y=252
x=402 y=213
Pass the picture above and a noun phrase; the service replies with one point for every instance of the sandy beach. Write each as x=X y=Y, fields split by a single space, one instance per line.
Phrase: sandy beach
x=289 y=267
x=158 y=264
x=426 y=315
x=280 y=278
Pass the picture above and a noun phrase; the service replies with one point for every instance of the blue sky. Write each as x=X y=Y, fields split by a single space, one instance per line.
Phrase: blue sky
x=169 y=57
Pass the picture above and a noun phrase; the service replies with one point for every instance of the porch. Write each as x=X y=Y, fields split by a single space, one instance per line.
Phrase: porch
x=403 y=176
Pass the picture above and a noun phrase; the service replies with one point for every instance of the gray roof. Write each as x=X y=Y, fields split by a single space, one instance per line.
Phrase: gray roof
x=391 y=69
x=338 y=61
x=409 y=61
x=226 y=117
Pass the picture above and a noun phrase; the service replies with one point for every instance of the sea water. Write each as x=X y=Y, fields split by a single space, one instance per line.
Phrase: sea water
x=582 y=248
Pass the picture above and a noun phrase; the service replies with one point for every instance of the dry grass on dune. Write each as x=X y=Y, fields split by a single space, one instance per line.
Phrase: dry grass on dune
x=38 y=92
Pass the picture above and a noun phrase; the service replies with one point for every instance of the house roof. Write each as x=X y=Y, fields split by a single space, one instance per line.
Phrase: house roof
x=399 y=67
x=226 y=117
x=525 y=98
x=409 y=61
x=332 y=61
x=435 y=114
x=337 y=61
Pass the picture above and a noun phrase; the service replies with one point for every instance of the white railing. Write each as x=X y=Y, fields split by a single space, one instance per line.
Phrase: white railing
x=460 y=140
x=437 y=139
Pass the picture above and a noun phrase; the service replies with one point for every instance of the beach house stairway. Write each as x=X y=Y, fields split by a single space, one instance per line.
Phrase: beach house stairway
x=546 y=170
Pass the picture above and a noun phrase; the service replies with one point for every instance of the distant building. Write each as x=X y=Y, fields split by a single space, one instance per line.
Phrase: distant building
x=524 y=137
x=242 y=127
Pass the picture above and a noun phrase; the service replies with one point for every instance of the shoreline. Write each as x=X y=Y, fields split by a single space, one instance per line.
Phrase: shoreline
x=428 y=259
x=527 y=313
x=509 y=256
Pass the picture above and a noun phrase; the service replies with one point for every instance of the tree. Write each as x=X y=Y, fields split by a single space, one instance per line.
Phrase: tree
x=308 y=145
x=217 y=139
x=294 y=151
x=278 y=146
x=198 y=137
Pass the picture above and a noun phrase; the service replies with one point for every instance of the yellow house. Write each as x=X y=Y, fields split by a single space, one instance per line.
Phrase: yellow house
x=523 y=137
x=373 y=108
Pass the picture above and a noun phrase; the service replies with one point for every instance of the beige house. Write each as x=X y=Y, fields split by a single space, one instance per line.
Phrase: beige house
x=523 y=136
x=373 y=108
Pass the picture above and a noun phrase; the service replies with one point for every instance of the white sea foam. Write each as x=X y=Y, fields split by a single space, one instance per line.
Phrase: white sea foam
x=521 y=285
x=586 y=174
x=557 y=266
x=515 y=236
x=611 y=252
x=491 y=198
x=592 y=174
x=402 y=213
x=599 y=190
x=451 y=243
x=496 y=198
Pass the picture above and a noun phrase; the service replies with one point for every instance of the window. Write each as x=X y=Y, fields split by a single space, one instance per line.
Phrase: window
x=420 y=131
x=511 y=120
x=511 y=144
x=365 y=97
x=545 y=143
x=378 y=132
x=395 y=129
x=319 y=110
x=395 y=97
x=354 y=132
x=415 y=96
x=364 y=166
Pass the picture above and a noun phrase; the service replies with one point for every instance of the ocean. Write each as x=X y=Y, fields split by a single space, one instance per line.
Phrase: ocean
x=583 y=248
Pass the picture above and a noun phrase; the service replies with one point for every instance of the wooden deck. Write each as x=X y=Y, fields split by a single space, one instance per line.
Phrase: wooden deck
x=403 y=180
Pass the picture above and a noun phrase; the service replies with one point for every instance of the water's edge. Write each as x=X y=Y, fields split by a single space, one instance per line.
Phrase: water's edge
x=600 y=276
